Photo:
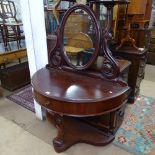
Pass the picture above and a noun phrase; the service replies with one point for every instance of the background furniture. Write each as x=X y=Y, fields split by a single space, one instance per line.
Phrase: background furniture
x=15 y=77
x=151 y=48
x=138 y=60
x=136 y=34
x=133 y=34
x=54 y=11
x=134 y=16
x=10 y=26
x=8 y=57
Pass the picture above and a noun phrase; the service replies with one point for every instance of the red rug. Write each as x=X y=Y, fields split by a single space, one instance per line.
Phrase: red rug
x=23 y=97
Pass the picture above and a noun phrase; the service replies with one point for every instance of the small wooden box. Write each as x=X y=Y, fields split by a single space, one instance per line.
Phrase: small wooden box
x=15 y=76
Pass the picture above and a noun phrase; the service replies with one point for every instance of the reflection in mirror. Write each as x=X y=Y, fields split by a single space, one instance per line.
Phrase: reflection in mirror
x=79 y=38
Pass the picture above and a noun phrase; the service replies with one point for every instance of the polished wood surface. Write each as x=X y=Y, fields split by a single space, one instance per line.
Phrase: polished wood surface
x=85 y=105
x=83 y=108
x=74 y=94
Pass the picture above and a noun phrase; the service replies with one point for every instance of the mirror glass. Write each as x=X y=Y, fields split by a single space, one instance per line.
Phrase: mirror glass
x=79 y=38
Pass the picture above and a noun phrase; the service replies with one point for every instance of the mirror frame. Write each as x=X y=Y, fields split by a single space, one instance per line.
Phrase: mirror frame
x=97 y=33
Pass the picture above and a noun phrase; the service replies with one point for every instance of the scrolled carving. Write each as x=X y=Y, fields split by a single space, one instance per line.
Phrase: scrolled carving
x=59 y=140
x=55 y=58
x=110 y=68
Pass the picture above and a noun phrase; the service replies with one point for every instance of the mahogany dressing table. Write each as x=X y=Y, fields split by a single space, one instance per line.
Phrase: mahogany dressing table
x=84 y=103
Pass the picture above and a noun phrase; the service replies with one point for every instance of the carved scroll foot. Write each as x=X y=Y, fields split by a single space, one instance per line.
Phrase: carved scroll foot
x=73 y=130
x=58 y=142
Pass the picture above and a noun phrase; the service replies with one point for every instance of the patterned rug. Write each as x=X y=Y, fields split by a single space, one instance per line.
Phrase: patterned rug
x=136 y=134
x=23 y=97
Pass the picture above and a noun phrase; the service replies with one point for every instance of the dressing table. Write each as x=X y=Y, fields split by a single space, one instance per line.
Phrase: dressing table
x=85 y=101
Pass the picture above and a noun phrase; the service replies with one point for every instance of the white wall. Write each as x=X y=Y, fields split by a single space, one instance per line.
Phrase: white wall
x=34 y=27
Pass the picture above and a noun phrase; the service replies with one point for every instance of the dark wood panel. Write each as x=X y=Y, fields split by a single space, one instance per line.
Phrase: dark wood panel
x=15 y=77
x=137 y=69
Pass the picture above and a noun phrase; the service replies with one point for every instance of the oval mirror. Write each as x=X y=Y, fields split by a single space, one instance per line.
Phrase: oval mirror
x=79 y=37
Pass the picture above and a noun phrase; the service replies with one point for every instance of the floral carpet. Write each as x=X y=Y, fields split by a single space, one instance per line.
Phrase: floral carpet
x=137 y=133
x=23 y=97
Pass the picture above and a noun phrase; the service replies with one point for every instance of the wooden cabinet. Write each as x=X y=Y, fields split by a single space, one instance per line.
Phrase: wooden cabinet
x=136 y=71
x=15 y=77
x=140 y=10
x=137 y=15
x=136 y=34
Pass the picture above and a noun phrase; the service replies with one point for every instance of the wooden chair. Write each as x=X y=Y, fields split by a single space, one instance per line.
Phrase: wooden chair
x=10 y=26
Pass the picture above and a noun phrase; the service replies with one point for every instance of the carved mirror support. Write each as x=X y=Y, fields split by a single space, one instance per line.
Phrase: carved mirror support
x=81 y=39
